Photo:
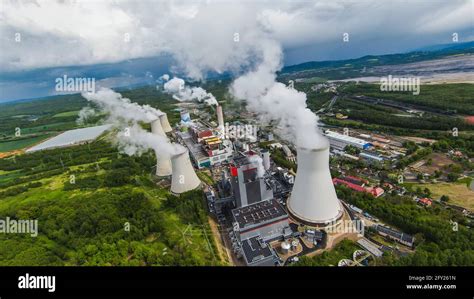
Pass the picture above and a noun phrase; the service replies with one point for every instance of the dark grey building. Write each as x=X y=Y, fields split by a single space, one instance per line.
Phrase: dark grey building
x=257 y=252
x=247 y=187
x=266 y=219
x=400 y=237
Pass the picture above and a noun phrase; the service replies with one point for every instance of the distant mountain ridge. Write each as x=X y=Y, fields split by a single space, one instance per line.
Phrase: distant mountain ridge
x=427 y=53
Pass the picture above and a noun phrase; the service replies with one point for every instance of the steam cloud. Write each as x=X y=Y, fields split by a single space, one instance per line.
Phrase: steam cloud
x=274 y=101
x=132 y=139
x=203 y=40
x=120 y=108
x=85 y=113
x=181 y=92
x=257 y=55
x=258 y=161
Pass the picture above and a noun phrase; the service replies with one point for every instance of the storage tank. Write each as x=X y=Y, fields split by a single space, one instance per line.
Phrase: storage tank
x=285 y=247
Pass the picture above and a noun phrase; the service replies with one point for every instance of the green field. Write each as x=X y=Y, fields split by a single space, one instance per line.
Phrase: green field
x=67 y=114
x=448 y=97
x=10 y=145
x=459 y=193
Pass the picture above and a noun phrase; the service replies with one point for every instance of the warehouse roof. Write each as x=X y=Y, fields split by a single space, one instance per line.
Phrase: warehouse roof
x=255 y=249
x=346 y=138
x=258 y=213
x=71 y=137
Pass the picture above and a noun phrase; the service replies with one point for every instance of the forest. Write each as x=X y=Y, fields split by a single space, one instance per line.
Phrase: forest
x=437 y=242
x=94 y=205
x=111 y=214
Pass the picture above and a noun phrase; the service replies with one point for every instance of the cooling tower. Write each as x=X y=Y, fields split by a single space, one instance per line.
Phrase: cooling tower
x=183 y=178
x=156 y=128
x=163 y=164
x=165 y=123
x=313 y=200
x=220 y=117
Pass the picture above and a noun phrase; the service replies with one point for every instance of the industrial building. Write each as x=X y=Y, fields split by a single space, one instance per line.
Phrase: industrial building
x=70 y=138
x=358 y=185
x=205 y=147
x=266 y=219
x=258 y=253
x=255 y=226
x=340 y=141
x=370 y=247
x=370 y=157
x=400 y=237
x=247 y=187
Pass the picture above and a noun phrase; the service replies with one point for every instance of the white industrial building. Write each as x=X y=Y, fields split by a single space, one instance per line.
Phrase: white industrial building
x=340 y=141
x=70 y=138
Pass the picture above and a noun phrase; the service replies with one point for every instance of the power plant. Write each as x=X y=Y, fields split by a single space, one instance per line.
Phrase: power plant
x=163 y=164
x=184 y=177
x=313 y=200
x=165 y=123
x=157 y=128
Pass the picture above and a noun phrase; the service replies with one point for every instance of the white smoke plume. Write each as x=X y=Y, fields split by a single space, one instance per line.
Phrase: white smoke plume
x=274 y=101
x=177 y=87
x=258 y=161
x=224 y=37
x=134 y=140
x=120 y=108
x=257 y=54
x=165 y=77
x=85 y=113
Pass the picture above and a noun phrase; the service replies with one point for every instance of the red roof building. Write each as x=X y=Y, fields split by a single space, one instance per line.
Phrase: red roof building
x=337 y=181
x=425 y=201
x=375 y=191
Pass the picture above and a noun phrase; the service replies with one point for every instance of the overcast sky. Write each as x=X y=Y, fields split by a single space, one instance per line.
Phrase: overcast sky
x=201 y=36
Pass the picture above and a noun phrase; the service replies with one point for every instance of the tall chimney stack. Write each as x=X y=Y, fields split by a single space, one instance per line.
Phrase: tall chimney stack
x=313 y=200
x=165 y=123
x=220 y=117
x=156 y=128
x=184 y=177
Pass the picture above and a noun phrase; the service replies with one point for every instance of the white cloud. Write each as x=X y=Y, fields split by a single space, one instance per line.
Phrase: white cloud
x=61 y=33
